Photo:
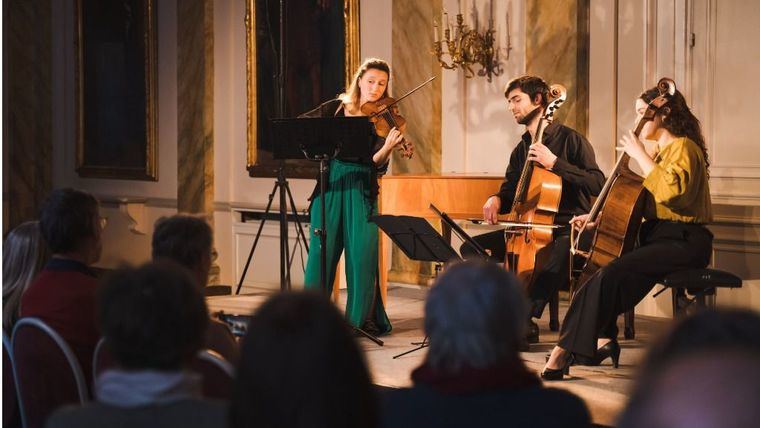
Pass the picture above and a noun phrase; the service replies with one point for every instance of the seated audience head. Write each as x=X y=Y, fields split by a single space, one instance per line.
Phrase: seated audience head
x=475 y=317
x=301 y=367
x=703 y=373
x=706 y=389
x=706 y=331
x=24 y=255
x=187 y=240
x=152 y=317
x=71 y=224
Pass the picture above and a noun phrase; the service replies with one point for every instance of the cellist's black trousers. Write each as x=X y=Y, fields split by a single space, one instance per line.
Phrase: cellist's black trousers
x=664 y=247
x=553 y=274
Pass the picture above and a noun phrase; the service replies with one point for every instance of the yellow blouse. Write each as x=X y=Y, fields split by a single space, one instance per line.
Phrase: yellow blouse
x=679 y=185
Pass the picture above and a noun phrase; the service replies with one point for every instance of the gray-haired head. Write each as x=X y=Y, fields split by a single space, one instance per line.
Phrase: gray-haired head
x=475 y=316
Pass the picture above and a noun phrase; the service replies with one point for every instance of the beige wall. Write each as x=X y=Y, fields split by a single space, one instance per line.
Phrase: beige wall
x=630 y=47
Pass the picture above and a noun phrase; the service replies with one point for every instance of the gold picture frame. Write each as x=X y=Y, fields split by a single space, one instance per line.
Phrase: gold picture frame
x=256 y=164
x=116 y=89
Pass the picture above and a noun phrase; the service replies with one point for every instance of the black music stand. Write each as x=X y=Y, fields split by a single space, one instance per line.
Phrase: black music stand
x=461 y=233
x=419 y=241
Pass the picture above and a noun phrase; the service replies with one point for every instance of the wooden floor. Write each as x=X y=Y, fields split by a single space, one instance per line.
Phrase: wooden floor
x=603 y=388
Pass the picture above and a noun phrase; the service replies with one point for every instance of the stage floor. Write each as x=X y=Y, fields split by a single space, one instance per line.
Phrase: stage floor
x=604 y=389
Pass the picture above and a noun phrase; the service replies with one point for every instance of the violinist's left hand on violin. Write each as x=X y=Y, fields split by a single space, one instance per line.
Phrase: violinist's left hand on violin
x=541 y=154
x=393 y=138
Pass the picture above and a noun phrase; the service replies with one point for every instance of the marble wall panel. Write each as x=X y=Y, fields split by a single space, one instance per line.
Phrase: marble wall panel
x=195 y=112
x=27 y=109
x=195 y=106
x=557 y=49
x=413 y=63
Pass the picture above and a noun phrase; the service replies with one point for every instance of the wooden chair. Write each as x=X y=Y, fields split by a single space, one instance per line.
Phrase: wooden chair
x=48 y=374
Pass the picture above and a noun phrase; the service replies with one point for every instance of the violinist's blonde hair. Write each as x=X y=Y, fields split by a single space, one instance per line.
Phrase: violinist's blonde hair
x=353 y=94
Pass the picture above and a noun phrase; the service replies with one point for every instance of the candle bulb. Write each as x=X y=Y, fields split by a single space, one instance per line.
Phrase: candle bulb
x=435 y=30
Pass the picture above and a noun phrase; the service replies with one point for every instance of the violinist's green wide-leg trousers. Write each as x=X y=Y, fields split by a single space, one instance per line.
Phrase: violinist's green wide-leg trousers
x=348 y=206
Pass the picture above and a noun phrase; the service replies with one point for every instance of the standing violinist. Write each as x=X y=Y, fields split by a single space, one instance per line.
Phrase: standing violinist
x=564 y=152
x=350 y=199
x=672 y=237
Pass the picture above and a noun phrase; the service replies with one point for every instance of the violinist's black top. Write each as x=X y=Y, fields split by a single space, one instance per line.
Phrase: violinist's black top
x=334 y=108
x=576 y=165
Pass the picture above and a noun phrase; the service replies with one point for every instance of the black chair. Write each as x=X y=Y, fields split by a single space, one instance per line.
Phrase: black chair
x=11 y=412
x=48 y=374
x=101 y=359
x=698 y=286
x=217 y=374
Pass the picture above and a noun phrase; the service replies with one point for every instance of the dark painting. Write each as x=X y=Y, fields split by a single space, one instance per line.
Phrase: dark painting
x=313 y=60
x=116 y=89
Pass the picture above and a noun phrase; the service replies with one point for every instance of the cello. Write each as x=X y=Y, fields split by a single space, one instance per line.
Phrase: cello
x=619 y=208
x=535 y=204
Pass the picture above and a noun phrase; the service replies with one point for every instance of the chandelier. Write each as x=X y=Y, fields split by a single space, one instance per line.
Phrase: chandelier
x=466 y=47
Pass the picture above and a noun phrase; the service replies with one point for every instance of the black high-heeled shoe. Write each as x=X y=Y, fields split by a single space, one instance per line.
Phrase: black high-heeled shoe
x=558 y=374
x=610 y=349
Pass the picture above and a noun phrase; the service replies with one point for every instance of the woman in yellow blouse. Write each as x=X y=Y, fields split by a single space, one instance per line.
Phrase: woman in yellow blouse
x=672 y=238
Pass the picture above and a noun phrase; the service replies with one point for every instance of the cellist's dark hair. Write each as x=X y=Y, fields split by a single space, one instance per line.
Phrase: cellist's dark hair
x=678 y=119
x=531 y=85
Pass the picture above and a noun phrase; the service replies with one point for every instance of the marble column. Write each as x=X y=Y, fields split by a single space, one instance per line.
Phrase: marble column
x=413 y=63
x=557 y=49
x=195 y=110
x=195 y=107
x=27 y=109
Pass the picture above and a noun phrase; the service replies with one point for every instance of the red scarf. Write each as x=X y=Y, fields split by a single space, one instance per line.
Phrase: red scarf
x=509 y=374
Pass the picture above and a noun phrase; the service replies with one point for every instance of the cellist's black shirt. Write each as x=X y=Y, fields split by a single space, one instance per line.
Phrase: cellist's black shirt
x=576 y=165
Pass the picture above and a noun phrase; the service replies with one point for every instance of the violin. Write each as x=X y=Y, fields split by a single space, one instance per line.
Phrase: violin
x=385 y=116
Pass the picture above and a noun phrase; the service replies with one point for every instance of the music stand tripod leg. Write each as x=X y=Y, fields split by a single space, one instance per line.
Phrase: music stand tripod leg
x=362 y=332
x=300 y=235
x=423 y=344
x=281 y=183
x=258 y=235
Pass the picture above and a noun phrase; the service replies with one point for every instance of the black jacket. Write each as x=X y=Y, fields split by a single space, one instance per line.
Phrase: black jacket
x=576 y=165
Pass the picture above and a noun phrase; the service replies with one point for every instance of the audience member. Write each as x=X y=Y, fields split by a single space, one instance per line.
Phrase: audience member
x=475 y=318
x=24 y=255
x=300 y=367
x=187 y=240
x=704 y=373
x=153 y=319
x=63 y=293
x=705 y=331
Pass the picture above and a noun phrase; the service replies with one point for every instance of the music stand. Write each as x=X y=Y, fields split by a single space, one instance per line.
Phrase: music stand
x=460 y=232
x=419 y=241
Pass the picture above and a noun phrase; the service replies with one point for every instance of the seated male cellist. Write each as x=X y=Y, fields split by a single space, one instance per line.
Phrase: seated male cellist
x=566 y=153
